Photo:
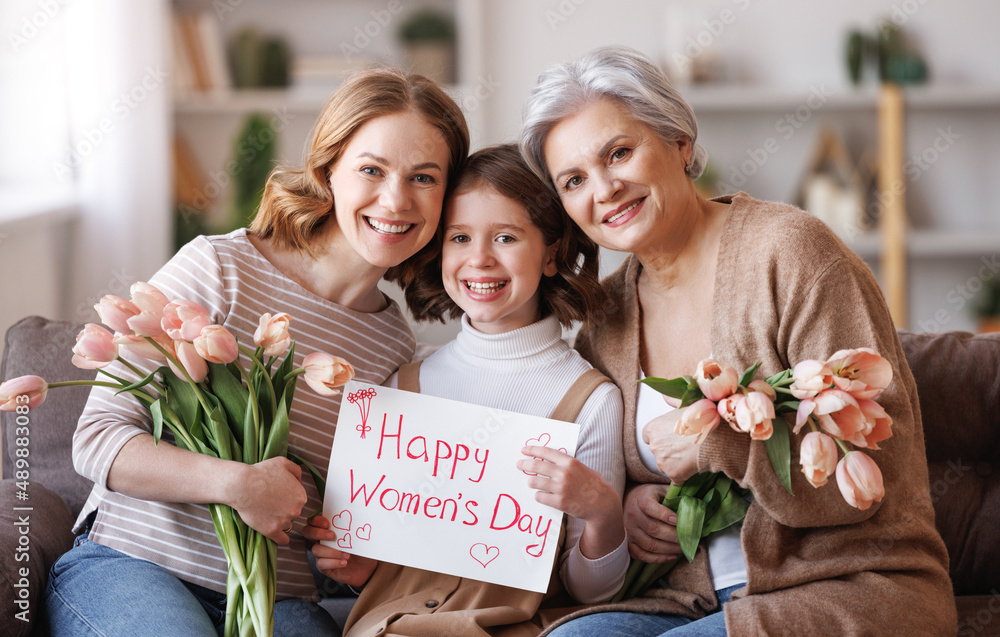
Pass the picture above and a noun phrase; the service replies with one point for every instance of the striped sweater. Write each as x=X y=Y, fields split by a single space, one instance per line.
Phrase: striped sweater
x=229 y=277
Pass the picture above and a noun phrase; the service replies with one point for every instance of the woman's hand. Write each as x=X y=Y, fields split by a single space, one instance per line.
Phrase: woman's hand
x=564 y=483
x=269 y=496
x=353 y=570
x=651 y=527
x=676 y=456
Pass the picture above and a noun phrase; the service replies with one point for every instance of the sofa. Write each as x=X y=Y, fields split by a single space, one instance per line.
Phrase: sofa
x=958 y=380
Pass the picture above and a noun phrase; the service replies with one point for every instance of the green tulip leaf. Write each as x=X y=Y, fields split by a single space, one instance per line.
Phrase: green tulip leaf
x=277 y=441
x=779 y=451
x=674 y=387
x=281 y=375
x=250 y=433
x=182 y=398
x=139 y=384
x=230 y=392
x=733 y=508
x=690 y=521
x=749 y=374
x=156 y=410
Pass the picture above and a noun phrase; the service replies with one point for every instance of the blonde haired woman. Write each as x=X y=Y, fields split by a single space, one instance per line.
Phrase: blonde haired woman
x=365 y=204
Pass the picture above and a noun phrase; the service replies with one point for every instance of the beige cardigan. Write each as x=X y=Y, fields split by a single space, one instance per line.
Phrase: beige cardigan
x=786 y=290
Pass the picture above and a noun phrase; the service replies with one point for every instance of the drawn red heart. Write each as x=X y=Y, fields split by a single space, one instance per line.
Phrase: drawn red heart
x=541 y=441
x=345 y=542
x=339 y=520
x=484 y=554
x=364 y=532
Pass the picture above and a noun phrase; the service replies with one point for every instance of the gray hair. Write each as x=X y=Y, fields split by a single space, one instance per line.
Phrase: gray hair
x=613 y=72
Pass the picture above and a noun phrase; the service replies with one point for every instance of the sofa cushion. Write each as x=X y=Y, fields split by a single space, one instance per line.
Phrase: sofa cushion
x=38 y=346
x=958 y=383
x=34 y=533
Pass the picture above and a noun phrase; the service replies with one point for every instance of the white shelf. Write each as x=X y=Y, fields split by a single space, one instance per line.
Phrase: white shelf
x=743 y=98
x=940 y=244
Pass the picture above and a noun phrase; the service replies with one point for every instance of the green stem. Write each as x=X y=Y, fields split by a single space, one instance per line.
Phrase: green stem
x=843 y=445
x=254 y=408
x=782 y=390
x=260 y=365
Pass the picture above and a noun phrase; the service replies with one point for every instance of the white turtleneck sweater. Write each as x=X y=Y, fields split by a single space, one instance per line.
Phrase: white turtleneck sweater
x=528 y=371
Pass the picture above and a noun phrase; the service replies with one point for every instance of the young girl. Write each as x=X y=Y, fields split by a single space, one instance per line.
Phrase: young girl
x=364 y=206
x=513 y=263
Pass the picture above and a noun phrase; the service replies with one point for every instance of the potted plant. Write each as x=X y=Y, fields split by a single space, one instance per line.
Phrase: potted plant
x=986 y=306
x=429 y=38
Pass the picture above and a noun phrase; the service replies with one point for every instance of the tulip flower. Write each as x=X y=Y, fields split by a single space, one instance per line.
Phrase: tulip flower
x=324 y=373
x=763 y=387
x=878 y=425
x=187 y=355
x=115 y=312
x=754 y=415
x=810 y=378
x=860 y=480
x=34 y=387
x=818 y=456
x=143 y=348
x=727 y=409
x=716 y=380
x=860 y=372
x=184 y=320
x=216 y=344
x=95 y=347
x=272 y=334
x=836 y=411
x=699 y=418
x=148 y=298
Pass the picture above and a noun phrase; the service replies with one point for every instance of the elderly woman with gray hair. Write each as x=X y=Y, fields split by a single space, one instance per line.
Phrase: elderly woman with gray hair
x=738 y=280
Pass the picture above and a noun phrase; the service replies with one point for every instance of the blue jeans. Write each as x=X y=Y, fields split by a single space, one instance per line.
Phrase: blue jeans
x=95 y=590
x=615 y=624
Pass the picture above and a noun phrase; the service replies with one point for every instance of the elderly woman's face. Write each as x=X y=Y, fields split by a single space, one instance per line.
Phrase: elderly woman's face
x=622 y=184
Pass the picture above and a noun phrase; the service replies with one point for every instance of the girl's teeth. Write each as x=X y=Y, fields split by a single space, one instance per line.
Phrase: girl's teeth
x=485 y=288
x=386 y=228
x=622 y=212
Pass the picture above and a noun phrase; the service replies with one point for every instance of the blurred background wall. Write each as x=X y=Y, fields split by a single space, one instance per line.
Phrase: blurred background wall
x=130 y=125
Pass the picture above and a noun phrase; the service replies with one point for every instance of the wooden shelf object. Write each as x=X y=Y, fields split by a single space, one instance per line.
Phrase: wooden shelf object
x=892 y=191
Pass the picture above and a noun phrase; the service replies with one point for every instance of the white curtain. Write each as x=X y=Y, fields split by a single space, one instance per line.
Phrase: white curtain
x=85 y=112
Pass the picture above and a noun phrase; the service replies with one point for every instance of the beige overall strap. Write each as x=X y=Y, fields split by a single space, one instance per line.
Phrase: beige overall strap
x=571 y=404
x=408 y=377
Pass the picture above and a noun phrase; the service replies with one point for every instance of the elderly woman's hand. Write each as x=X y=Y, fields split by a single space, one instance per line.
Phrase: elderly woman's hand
x=676 y=456
x=651 y=527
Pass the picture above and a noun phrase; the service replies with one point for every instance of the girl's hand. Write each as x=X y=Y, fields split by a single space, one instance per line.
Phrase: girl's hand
x=564 y=483
x=353 y=570
x=269 y=496
x=676 y=456
x=651 y=527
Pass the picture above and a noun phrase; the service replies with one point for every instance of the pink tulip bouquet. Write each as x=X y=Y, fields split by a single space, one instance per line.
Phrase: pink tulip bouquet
x=836 y=398
x=213 y=401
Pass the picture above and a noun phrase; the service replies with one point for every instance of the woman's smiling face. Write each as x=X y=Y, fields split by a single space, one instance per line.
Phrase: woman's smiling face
x=618 y=180
x=388 y=187
x=493 y=260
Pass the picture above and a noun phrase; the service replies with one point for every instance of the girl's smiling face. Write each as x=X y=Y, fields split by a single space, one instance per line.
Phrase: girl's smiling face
x=493 y=259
